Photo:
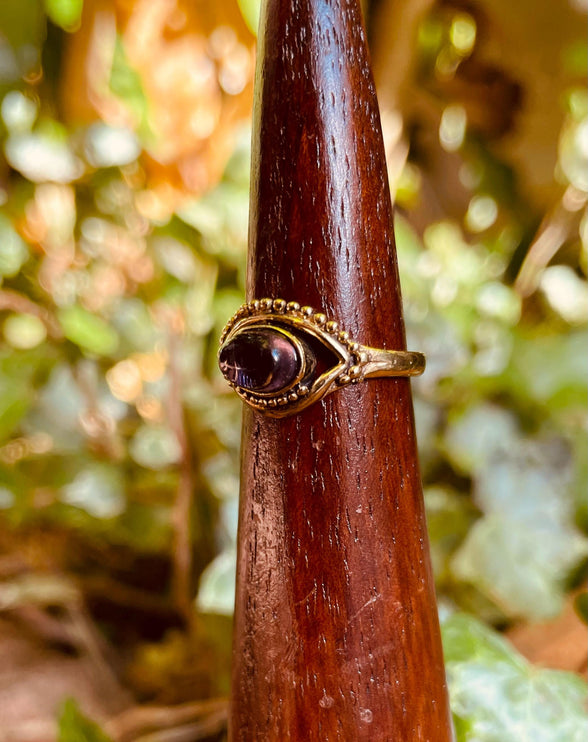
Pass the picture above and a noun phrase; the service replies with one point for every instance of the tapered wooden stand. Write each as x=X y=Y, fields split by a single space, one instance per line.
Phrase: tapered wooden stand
x=336 y=629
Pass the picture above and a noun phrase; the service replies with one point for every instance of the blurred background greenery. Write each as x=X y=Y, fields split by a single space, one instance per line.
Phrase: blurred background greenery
x=124 y=129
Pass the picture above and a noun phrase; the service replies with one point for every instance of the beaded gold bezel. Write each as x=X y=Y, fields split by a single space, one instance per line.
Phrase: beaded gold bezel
x=356 y=361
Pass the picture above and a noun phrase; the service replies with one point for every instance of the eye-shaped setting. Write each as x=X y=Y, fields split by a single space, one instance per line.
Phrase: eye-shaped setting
x=281 y=357
x=263 y=360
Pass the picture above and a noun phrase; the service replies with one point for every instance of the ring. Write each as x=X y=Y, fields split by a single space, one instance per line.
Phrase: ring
x=281 y=357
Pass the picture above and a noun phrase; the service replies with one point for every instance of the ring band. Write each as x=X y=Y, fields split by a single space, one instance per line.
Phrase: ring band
x=281 y=357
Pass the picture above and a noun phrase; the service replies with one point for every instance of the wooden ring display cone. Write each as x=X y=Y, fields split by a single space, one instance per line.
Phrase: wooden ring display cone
x=336 y=632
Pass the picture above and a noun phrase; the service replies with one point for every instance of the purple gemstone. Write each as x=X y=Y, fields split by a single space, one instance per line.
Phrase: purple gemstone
x=263 y=360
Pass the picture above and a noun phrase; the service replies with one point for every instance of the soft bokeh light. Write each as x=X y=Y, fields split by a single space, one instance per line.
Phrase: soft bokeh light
x=453 y=127
x=463 y=33
x=481 y=214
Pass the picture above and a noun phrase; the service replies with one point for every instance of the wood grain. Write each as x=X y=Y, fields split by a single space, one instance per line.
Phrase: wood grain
x=336 y=629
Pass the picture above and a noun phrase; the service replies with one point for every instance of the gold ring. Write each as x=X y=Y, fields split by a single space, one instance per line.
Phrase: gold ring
x=281 y=357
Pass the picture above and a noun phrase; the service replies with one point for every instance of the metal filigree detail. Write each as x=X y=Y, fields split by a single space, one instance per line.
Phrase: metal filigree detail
x=303 y=328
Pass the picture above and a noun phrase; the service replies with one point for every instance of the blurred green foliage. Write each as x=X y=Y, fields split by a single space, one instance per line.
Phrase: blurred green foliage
x=75 y=727
x=498 y=697
x=115 y=283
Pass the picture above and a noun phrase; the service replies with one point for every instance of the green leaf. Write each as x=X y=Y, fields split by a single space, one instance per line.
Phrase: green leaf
x=221 y=217
x=250 y=12
x=13 y=250
x=65 y=13
x=530 y=482
x=176 y=258
x=97 y=489
x=521 y=568
x=155 y=447
x=478 y=434
x=73 y=726
x=15 y=400
x=497 y=696
x=551 y=369
x=134 y=324
x=58 y=408
x=89 y=332
x=467 y=640
x=125 y=82
x=217 y=585
x=521 y=552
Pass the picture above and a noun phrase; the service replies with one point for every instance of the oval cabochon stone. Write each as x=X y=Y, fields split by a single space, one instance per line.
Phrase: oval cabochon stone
x=260 y=360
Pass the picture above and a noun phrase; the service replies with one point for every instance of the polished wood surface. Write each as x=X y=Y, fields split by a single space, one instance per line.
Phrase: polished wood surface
x=336 y=629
